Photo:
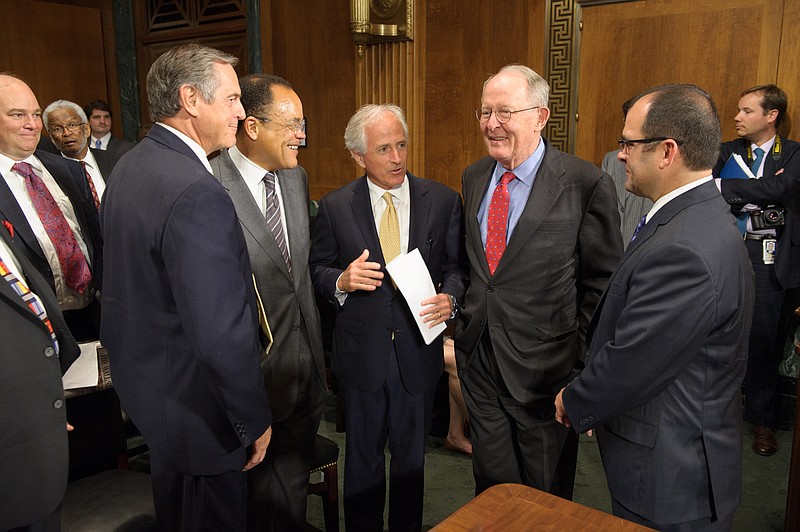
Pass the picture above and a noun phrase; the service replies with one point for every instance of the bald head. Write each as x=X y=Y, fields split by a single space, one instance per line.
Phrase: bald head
x=20 y=118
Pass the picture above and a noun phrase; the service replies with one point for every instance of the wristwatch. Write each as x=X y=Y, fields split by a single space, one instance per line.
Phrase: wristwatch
x=454 y=304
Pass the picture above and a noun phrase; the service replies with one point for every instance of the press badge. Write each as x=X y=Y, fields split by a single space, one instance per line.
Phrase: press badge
x=768 y=246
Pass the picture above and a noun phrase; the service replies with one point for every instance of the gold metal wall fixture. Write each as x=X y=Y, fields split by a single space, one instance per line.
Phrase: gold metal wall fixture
x=381 y=21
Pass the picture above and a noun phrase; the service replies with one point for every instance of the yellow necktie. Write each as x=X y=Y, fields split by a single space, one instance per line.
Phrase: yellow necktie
x=389 y=233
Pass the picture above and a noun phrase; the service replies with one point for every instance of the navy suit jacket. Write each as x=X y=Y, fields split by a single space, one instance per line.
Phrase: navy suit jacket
x=538 y=303
x=362 y=346
x=72 y=181
x=179 y=312
x=33 y=447
x=667 y=356
x=771 y=189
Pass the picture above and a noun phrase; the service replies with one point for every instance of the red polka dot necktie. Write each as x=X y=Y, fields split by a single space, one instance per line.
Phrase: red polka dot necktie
x=497 y=223
x=74 y=267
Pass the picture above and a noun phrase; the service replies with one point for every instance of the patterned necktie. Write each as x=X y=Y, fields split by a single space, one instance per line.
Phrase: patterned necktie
x=639 y=227
x=98 y=145
x=273 y=216
x=91 y=185
x=28 y=297
x=73 y=264
x=741 y=220
x=497 y=223
x=389 y=233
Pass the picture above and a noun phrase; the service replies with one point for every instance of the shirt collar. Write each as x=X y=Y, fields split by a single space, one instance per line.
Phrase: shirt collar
x=251 y=172
x=7 y=162
x=193 y=145
x=401 y=193
x=666 y=198
x=525 y=172
x=767 y=146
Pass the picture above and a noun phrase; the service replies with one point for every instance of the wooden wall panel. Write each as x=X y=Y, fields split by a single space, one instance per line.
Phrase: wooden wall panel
x=312 y=48
x=669 y=41
x=789 y=67
x=60 y=62
x=467 y=41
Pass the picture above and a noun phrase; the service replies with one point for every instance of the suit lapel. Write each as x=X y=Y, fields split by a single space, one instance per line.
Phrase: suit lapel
x=295 y=205
x=418 y=214
x=478 y=187
x=365 y=222
x=11 y=211
x=249 y=212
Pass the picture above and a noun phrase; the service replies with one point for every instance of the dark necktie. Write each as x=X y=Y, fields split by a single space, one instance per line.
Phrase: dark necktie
x=497 y=223
x=273 y=216
x=639 y=227
x=91 y=185
x=73 y=264
x=29 y=298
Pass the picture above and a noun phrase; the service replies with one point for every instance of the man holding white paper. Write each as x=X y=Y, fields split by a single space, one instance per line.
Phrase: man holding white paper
x=387 y=371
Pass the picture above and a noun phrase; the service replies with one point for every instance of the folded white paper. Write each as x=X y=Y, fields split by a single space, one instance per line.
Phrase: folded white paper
x=83 y=372
x=412 y=278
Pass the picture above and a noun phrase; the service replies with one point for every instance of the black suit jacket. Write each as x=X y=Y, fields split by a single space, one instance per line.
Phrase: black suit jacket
x=72 y=181
x=179 y=312
x=362 y=345
x=667 y=355
x=118 y=147
x=771 y=189
x=537 y=305
x=105 y=162
x=33 y=446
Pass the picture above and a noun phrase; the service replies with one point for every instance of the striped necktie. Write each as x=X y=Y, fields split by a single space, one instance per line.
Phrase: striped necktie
x=28 y=297
x=91 y=185
x=274 y=223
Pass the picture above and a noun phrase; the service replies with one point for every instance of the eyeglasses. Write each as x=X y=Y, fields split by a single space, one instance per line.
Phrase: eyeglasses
x=298 y=127
x=625 y=145
x=503 y=115
x=72 y=128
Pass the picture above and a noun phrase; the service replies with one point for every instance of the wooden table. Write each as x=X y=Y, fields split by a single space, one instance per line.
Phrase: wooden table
x=514 y=507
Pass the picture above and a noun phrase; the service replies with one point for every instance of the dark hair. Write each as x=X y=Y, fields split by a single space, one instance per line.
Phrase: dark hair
x=687 y=114
x=257 y=96
x=773 y=98
x=99 y=105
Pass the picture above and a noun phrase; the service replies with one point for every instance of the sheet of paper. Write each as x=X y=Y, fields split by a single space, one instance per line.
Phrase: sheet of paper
x=83 y=372
x=413 y=280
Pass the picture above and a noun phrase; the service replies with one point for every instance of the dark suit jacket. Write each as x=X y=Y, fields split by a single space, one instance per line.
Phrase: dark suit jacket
x=667 y=355
x=105 y=162
x=362 y=345
x=558 y=260
x=118 y=147
x=179 y=313
x=288 y=301
x=72 y=181
x=771 y=189
x=33 y=446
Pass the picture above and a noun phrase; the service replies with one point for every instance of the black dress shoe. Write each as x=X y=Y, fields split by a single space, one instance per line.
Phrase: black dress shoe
x=764 y=442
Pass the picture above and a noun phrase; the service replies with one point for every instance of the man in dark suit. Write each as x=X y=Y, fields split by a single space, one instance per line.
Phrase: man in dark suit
x=66 y=124
x=36 y=350
x=667 y=344
x=270 y=193
x=180 y=319
x=538 y=268
x=774 y=250
x=99 y=115
x=386 y=370
x=66 y=184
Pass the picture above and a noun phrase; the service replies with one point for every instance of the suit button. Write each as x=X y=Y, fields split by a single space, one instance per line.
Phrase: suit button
x=58 y=403
x=295 y=327
x=491 y=288
x=483 y=322
x=48 y=272
x=49 y=351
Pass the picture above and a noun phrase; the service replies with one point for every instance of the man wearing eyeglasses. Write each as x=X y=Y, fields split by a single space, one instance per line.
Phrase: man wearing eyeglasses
x=62 y=241
x=270 y=193
x=668 y=341
x=774 y=246
x=542 y=238
x=66 y=123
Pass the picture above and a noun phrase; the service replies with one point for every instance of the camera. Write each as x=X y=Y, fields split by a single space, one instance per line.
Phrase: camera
x=768 y=218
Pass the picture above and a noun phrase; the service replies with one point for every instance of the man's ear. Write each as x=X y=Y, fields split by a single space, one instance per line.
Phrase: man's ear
x=250 y=128
x=189 y=98
x=359 y=158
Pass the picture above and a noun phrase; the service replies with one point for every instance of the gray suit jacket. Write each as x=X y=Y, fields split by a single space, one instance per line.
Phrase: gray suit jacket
x=539 y=302
x=288 y=302
x=667 y=355
x=631 y=207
